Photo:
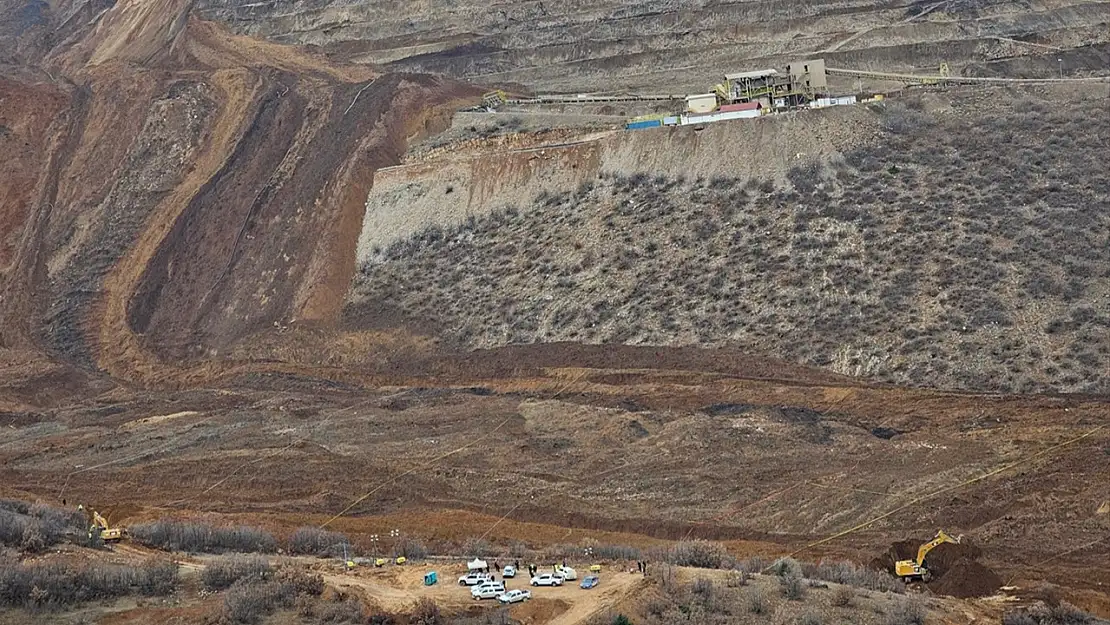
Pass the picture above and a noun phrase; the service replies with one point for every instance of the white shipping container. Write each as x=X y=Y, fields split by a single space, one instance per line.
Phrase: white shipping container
x=701 y=103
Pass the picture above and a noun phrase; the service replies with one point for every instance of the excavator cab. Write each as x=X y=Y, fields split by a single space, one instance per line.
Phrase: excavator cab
x=911 y=570
x=99 y=525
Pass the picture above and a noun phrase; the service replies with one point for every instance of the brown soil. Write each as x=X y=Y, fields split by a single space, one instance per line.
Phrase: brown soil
x=966 y=578
x=954 y=568
x=947 y=556
x=179 y=209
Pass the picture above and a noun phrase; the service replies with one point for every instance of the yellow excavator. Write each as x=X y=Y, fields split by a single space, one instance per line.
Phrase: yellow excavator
x=98 y=524
x=910 y=570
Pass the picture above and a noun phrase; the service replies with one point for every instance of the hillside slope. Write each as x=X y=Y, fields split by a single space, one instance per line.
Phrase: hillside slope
x=171 y=187
x=958 y=240
x=664 y=46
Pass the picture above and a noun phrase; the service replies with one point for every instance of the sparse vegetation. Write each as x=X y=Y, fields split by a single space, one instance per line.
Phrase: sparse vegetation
x=58 y=585
x=792 y=585
x=907 y=612
x=843 y=596
x=757 y=601
x=426 y=612
x=33 y=527
x=698 y=553
x=1059 y=613
x=201 y=538
x=225 y=572
x=318 y=542
x=410 y=548
x=850 y=574
x=251 y=601
x=957 y=251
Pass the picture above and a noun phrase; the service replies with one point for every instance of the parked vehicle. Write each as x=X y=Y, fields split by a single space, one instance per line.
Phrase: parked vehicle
x=589 y=581
x=488 y=590
x=547 y=579
x=567 y=573
x=514 y=596
x=509 y=572
x=473 y=578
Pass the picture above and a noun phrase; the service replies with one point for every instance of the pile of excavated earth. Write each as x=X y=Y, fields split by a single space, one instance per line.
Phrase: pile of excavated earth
x=954 y=569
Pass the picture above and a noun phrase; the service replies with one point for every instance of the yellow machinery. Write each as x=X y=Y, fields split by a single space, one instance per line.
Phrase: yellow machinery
x=401 y=560
x=98 y=524
x=915 y=569
x=494 y=99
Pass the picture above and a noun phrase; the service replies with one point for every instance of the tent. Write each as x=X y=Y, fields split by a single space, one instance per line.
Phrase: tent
x=430 y=578
x=477 y=565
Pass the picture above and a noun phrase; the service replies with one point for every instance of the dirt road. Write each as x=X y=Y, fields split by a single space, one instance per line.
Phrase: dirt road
x=397 y=589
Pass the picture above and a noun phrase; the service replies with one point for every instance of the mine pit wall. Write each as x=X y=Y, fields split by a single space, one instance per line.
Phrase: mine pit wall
x=446 y=191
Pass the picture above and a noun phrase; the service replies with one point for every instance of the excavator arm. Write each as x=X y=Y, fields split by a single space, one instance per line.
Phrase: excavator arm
x=98 y=524
x=941 y=538
x=915 y=569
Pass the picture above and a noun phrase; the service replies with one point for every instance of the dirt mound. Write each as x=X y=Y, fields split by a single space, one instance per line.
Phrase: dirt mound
x=899 y=550
x=954 y=568
x=966 y=578
x=946 y=557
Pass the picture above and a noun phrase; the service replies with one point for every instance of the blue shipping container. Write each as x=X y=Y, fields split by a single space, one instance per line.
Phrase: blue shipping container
x=647 y=123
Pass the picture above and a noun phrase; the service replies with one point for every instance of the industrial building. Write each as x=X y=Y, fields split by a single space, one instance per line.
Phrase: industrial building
x=803 y=82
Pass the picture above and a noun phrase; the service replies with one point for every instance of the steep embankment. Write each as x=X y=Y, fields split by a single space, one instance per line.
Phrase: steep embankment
x=938 y=244
x=170 y=188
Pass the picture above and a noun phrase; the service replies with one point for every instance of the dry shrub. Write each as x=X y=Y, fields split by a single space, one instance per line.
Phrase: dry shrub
x=664 y=575
x=907 y=612
x=34 y=527
x=736 y=578
x=696 y=553
x=344 y=611
x=59 y=585
x=477 y=547
x=201 y=538
x=703 y=588
x=850 y=574
x=227 y=571
x=758 y=603
x=1054 y=613
x=786 y=566
x=793 y=586
x=410 y=548
x=426 y=612
x=300 y=581
x=248 y=601
x=843 y=597
x=157 y=578
x=317 y=542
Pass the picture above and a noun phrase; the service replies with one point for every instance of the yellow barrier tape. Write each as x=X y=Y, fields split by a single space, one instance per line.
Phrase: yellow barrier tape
x=946 y=489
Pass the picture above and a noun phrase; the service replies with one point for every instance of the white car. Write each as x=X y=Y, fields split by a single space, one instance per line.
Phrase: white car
x=567 y=573
x=488 y=590
x=547 y=579
x=514 y=596
x=473 y=578
x=509 y=572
